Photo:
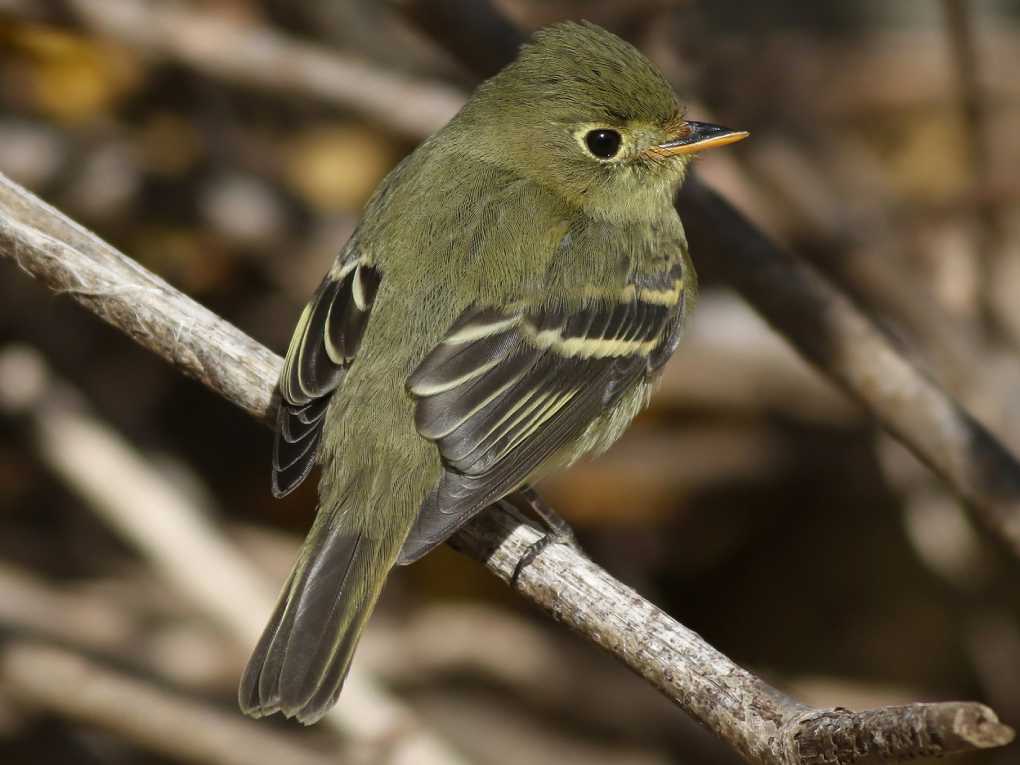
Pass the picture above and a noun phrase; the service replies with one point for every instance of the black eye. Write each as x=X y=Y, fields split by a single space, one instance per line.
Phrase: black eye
x=603 y=143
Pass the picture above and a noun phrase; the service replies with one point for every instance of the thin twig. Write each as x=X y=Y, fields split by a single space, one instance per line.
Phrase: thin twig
x=758 y=721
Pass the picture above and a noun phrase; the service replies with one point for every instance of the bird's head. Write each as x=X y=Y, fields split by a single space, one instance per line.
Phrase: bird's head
x=587 y=115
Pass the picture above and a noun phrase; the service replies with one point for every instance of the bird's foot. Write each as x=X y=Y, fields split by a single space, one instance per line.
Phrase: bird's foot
x=559 y=531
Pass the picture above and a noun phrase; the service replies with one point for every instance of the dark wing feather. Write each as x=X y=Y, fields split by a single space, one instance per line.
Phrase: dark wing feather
x=504 y=391
x=674 y=330
x=324 y=343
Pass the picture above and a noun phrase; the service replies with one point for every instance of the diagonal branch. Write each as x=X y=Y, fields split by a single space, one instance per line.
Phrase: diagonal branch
x=753 y=718
x=136 y=301
x=829 y=330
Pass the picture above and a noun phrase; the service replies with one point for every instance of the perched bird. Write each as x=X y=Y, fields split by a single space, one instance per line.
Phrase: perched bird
x=502 y=309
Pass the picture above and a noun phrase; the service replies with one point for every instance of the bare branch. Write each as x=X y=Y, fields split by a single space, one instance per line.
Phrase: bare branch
x=932 y=730
x=136 y=301
x=754 y=718
x=758 y=721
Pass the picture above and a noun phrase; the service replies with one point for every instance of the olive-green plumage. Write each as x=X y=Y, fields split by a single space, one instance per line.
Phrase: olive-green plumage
x=502 y=309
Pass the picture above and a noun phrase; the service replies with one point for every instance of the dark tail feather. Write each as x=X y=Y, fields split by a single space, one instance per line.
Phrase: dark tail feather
x=299 y=664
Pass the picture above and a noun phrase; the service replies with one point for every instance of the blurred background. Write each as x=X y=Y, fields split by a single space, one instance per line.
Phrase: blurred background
x=228 y=145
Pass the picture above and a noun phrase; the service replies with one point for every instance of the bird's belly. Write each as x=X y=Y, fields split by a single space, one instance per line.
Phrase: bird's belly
x=600 y=434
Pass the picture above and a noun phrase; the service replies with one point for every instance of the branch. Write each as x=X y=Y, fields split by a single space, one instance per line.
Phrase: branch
x=159 y=720
x=251 y=54
x=136 y=301
x=829 y=330
x=755 y=719
x=820 y=321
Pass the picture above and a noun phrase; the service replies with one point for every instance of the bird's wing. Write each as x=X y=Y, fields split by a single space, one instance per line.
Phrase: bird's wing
x=506 y=389
x=324 y=343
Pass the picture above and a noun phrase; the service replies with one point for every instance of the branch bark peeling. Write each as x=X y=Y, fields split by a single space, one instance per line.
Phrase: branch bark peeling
x=755 y=719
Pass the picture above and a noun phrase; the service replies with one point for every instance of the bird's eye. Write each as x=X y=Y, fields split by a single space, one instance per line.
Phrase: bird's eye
x=603 y=143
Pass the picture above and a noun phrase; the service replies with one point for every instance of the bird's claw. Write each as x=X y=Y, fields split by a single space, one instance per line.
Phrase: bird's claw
x=559 y=531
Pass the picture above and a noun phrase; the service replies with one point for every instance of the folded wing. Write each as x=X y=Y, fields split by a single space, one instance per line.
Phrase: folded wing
x=506 y=389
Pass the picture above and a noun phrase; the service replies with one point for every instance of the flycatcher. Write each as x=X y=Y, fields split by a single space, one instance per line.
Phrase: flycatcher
x=503 y=308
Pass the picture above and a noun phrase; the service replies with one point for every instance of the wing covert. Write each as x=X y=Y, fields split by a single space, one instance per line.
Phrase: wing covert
x=506 y=389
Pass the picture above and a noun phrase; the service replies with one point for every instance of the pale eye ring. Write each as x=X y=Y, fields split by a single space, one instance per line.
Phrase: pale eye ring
x=603 y=143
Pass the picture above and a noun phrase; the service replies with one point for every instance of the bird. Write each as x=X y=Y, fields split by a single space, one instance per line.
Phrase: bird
x=503 y=308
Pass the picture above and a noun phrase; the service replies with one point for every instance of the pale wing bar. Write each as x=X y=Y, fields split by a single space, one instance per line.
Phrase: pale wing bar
x=324 y=343
x=504 y=391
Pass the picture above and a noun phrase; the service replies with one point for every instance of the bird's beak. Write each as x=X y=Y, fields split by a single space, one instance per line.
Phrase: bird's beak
x=698 y=136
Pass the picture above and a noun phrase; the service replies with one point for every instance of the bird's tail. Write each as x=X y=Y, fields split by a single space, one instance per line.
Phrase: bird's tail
x=299 y=664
